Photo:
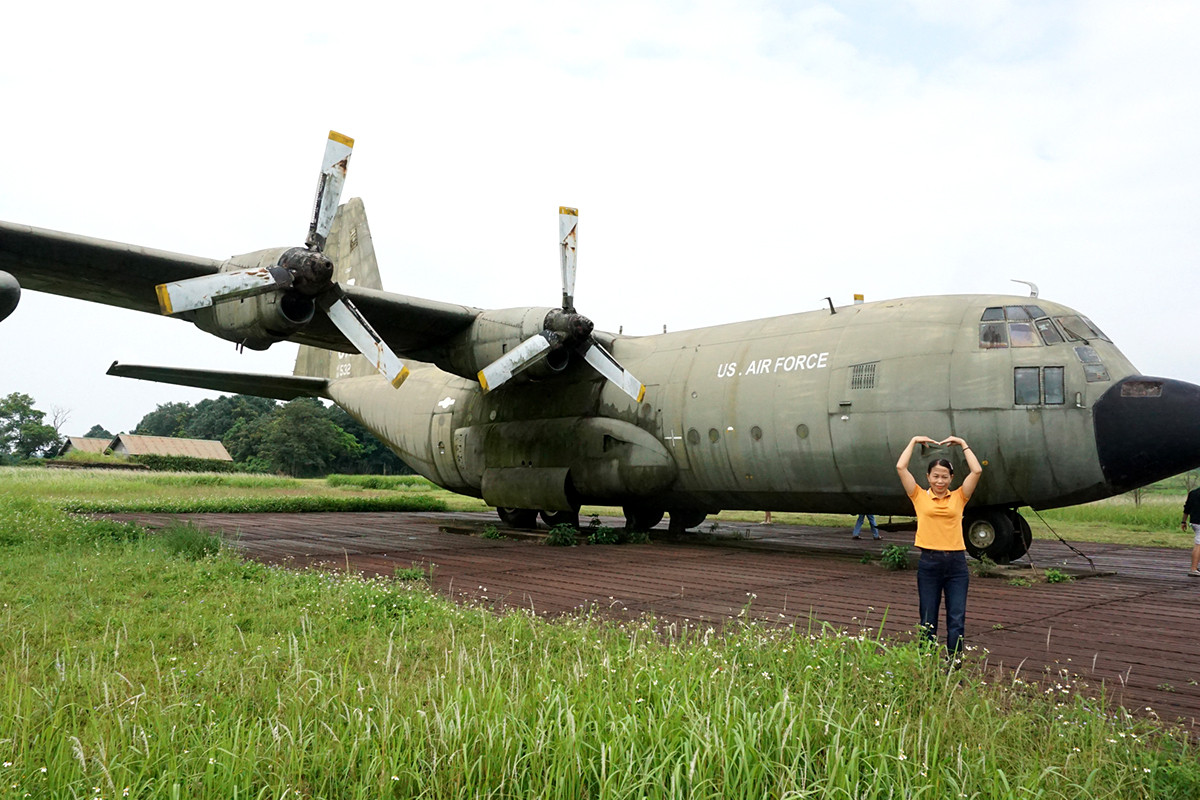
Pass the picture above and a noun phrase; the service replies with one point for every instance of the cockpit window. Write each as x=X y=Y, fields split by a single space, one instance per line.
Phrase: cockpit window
x=1013 y=326
x=1016 y=312
x=1081 y=328
x=993 y=334
x=1093 y=367
x=1021 y=334
x=1050 y=334
x=1099 y=333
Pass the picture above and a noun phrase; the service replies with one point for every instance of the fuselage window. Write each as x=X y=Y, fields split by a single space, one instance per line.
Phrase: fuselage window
x=992 y=330
x=1027 y=390
x=992 y=314
x=1053 y=380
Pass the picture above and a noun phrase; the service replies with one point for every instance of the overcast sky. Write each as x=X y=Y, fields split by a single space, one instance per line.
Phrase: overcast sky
x=729 y=160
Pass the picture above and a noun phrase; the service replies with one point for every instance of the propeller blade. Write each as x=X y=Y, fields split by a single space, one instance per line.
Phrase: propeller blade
x=526 y=354
x=329 y=188
x=607 y=366
x=354 y=326
x=568 y=221
x=193 y=293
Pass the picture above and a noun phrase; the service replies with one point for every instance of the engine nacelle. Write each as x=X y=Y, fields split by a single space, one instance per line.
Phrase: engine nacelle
x=261 y=320
x=497 y=331
x=10 y=294
x=257 y=322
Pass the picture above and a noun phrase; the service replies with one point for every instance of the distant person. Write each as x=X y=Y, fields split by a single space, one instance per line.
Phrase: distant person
x=767 y=519
x=1191 y=511
x=942 y=570
x=870 y=518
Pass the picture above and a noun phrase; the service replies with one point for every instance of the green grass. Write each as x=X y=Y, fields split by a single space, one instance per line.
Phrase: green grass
x=163 y=666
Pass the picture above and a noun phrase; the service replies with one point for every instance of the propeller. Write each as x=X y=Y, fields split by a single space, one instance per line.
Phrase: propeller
x=565 y=328
x=305 y=270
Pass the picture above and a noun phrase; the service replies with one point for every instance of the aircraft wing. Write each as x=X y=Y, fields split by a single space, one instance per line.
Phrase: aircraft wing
x=278 y=387
x=126 y=276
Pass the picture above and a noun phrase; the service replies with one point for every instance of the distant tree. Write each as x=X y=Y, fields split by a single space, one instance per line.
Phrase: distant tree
x=97 y=432
x=244 y=440
x=23 y=431
x=302 y=441
x=168 y=419
x=213 y=419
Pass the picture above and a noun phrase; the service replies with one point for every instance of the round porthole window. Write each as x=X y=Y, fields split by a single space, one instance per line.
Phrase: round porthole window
x=756 y=433
x=693 y=436
x=802 y=431
x=714 y=435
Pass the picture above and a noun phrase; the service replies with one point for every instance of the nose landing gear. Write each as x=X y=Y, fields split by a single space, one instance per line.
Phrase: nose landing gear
x=1000 y=534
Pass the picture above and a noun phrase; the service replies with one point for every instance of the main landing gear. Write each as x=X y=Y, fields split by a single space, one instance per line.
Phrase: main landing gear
x=637 y=518
x=526 y=518
x=1000 y=534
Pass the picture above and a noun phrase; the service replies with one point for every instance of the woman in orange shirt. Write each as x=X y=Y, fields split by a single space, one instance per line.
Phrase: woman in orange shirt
x=942 y=570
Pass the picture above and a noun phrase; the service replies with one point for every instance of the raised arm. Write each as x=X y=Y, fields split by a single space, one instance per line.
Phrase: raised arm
x=906 y=479
x=972 y=480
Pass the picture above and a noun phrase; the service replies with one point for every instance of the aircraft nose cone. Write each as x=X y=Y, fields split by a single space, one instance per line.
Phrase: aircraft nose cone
x=1147 y=429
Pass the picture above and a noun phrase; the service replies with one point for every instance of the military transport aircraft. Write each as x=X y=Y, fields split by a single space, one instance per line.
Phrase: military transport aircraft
x=534 y=411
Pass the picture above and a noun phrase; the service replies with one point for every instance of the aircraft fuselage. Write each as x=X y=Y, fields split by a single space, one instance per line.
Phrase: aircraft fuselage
x=806 y=412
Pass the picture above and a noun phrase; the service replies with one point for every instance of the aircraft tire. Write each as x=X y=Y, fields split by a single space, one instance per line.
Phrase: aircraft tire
x=641 y=518
x=556 y=518
x=683 y=520
x=525 y=518
x=1022 y=536
x=989 y=533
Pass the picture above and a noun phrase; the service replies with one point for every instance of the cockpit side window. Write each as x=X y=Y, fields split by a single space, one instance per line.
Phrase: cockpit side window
x=1080 y=328
x=1049 y=332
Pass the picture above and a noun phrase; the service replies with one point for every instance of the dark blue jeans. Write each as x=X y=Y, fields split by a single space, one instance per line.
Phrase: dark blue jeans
x=943 y=573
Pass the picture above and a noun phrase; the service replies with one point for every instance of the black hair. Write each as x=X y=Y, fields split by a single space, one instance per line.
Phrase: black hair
x=940 y=462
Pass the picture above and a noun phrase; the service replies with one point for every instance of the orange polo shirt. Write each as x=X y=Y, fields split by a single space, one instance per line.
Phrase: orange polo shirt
x=939 y=522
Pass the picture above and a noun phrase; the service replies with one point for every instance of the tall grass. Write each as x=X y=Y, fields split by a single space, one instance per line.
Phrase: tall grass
x=131 y=669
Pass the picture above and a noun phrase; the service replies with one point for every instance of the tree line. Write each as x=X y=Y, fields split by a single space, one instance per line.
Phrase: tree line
x=303 y=438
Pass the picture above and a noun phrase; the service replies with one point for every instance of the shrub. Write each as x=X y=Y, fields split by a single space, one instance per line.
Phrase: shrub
x=894 y=556
x=561 y=536
x=1057 y=576
x=182 y=464
x=492 y=532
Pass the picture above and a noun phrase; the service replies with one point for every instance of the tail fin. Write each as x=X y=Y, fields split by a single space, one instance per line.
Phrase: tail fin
x=350 y=248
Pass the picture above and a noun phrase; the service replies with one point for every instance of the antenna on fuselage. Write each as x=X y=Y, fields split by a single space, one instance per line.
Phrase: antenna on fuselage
x=1033 y=290
x=832 y=310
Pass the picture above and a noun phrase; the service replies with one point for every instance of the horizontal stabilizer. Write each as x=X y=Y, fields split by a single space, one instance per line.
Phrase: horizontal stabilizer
x=278 y=387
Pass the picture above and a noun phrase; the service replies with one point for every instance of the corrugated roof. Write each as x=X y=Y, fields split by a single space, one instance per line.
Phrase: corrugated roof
x=84 y=444
x=168 y=446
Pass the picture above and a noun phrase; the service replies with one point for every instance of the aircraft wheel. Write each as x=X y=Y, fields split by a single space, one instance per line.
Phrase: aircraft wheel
x=641 y=518
x=518 y=517
x=556 y=518
x=1022 y=536
x=989 y=533
x=682 y=520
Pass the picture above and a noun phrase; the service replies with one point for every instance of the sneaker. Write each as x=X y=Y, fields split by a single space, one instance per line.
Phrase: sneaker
x=877 y=536
x=1195 y=573
x=856 y=536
